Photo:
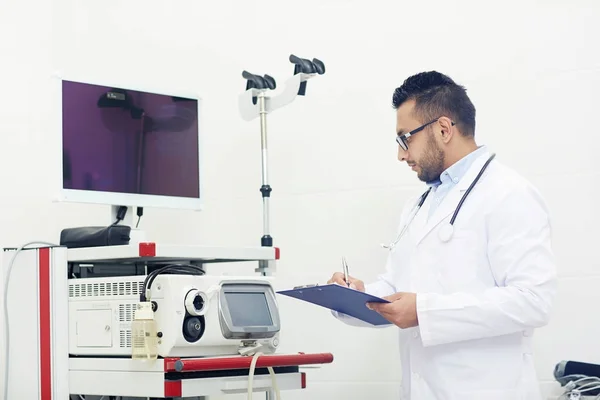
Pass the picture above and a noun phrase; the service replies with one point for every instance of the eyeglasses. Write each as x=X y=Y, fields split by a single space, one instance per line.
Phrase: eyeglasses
x=402 y=140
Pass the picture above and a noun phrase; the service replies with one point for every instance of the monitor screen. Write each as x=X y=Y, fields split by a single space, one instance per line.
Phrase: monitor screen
x=248 y=309
x=129 y=142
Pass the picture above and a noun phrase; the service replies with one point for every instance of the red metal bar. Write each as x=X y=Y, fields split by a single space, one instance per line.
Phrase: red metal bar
x=242 y=362
x=170 y=363
x=173 y=389
x=45 y=324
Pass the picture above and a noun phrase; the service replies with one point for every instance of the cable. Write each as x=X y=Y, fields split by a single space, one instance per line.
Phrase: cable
x=576 y=385
x=139 y=213
x=251 y=377
x=175 y=269
x=6 y=320
x=168 y=269
x=121 y=212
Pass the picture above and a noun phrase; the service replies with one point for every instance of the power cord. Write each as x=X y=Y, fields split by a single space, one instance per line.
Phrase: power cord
x=139 y=212
x=578 y=385
x=121 y=212
x=6 y=319
x=251 y=377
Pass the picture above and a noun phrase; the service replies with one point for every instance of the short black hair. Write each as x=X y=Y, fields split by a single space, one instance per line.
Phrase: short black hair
x=436 y=95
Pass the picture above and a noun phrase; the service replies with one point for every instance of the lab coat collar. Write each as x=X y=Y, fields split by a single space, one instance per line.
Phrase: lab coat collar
x=456 y=171
x=448 y=205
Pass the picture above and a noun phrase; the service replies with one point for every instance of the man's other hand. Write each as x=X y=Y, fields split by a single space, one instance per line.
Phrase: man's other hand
x=401 y=311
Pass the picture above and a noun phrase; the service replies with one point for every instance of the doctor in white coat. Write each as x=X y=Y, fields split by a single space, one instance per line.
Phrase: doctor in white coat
x=467 y=288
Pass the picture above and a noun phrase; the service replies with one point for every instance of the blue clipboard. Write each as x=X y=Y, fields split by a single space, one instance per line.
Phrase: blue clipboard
x=341 y=299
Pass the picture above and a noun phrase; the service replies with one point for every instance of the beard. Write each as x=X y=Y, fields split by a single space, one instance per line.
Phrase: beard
x=432 y=163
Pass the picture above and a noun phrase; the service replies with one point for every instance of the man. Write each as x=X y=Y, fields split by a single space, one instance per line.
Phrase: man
x=467 y=295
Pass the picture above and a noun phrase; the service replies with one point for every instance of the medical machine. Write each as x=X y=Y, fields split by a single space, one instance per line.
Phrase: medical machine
x=185 y=315
x=107 y=311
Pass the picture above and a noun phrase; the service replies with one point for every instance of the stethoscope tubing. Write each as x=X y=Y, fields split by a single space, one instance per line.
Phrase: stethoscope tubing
x=445 y=234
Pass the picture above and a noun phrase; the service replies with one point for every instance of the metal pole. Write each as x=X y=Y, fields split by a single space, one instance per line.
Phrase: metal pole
x=265 y=189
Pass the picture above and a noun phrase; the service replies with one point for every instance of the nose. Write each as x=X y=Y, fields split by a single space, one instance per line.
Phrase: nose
x=402 y=154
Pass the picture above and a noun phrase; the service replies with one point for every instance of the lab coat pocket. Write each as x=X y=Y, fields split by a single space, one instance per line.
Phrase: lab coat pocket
x=458 y=260
x=484 y=369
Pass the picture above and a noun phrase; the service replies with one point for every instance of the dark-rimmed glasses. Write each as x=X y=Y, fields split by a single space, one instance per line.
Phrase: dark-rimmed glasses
x=402 y=140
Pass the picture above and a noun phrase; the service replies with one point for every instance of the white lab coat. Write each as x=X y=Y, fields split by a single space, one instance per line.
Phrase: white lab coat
x=479 y=296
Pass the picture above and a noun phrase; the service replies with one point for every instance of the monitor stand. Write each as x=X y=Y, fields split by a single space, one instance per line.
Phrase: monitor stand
x=123 y=215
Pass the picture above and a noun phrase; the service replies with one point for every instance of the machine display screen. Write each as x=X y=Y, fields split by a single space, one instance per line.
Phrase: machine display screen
x=248 y=309
x=128 y=141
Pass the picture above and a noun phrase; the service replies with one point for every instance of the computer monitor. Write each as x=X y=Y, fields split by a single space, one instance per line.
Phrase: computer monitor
x=123 y=146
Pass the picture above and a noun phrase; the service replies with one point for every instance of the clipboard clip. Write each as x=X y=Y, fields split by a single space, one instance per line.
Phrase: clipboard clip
x=305 y=286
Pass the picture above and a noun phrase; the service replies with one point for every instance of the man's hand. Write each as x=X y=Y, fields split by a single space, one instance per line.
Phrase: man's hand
x=338 y=278
x=402 y=311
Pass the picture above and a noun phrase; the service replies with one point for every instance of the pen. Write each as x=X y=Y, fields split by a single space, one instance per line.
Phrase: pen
x=346 y=274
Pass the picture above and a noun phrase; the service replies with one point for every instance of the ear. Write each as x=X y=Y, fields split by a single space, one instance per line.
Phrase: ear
x=447 y=128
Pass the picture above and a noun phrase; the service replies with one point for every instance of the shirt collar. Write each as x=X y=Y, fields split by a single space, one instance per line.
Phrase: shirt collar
x=454 y=173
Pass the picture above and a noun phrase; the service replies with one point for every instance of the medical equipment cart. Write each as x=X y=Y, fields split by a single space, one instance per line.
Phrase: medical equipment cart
x=40 y=366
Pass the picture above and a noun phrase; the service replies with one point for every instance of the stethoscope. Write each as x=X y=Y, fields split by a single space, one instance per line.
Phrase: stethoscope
x=446 y=232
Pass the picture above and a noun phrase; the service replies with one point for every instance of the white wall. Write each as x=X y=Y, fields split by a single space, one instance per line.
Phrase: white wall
x=531 y=68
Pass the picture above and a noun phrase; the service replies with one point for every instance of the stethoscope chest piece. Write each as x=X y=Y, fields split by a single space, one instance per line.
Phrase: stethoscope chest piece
x=445 y=232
